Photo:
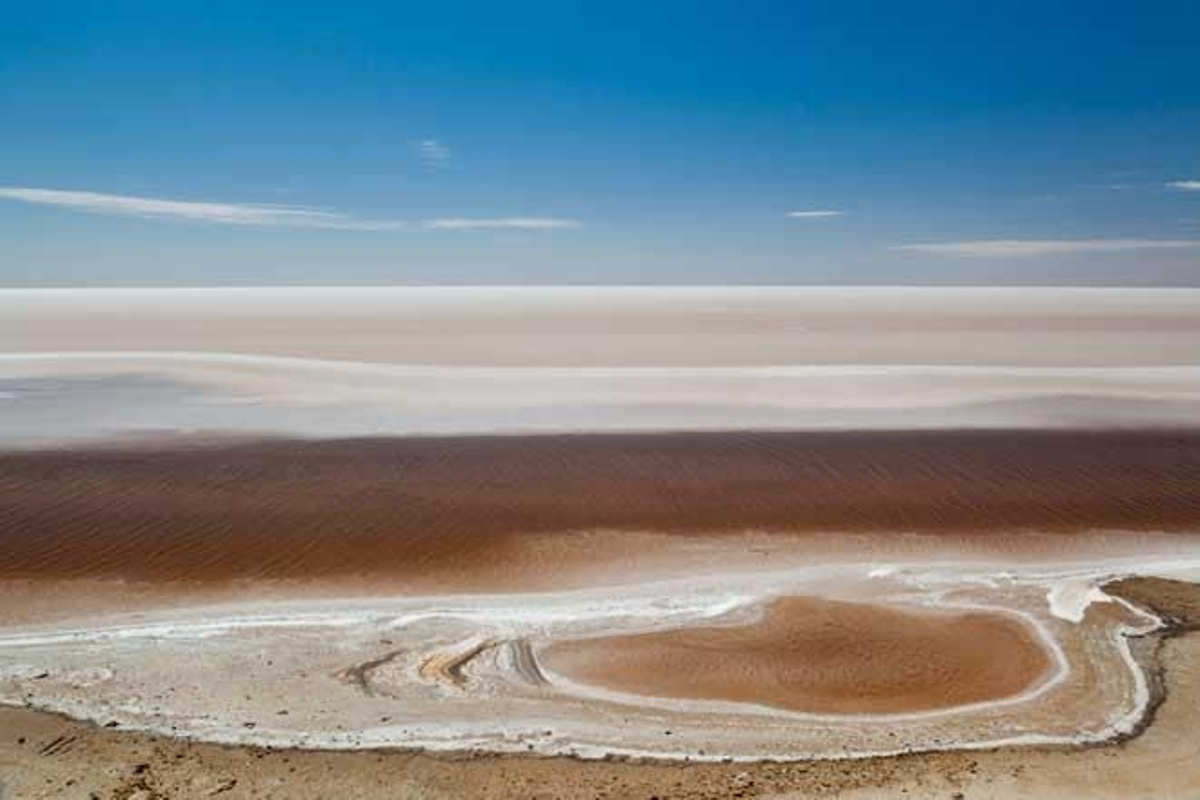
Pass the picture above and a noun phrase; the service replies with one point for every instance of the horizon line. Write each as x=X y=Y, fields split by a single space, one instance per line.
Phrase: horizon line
x=592 y=286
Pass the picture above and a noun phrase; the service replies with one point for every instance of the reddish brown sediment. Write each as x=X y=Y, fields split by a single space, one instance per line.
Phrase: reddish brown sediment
x=421 y=507
x=814 y=655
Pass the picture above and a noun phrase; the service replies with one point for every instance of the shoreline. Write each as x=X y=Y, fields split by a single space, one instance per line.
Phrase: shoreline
x=961 y=720
x=176 y=768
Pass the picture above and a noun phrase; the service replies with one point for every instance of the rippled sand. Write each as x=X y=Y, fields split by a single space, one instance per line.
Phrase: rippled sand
x=480 y=513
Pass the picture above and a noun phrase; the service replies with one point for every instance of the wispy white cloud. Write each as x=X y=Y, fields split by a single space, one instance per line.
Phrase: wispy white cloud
x=1185 y=186
x=817 y=214
x=433 y=154
x=499 y=223
x=263 y=215
x=1032 y=248
x=250 y=215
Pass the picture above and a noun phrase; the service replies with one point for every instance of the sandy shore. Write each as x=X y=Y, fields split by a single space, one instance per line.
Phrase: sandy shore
x=467 y=672
x=44 y=756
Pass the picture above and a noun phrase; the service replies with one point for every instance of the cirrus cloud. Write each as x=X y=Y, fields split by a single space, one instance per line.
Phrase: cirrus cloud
x=1033 y=248
x=262 y=215
x=1184 y=186
x=500 y=223
x=432 y=154
x=243 y=214
x=815 y=214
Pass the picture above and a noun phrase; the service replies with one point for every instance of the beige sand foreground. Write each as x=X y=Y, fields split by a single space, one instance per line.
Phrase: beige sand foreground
x=43 y=756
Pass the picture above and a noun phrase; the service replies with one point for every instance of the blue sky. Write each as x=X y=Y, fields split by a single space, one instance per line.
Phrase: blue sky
x=395 y=143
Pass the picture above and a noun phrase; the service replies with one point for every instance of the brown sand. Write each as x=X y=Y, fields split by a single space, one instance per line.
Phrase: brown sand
x=46 y=756
x=413 y=507
x=815 y=655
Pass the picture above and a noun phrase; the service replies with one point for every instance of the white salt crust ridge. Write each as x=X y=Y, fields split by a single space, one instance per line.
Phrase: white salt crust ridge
x=375 y=368
x=1070 y=599
x=443 y=737
x=645 y=607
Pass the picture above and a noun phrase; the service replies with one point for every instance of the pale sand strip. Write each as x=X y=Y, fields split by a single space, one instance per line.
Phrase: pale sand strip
x=594 y=326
